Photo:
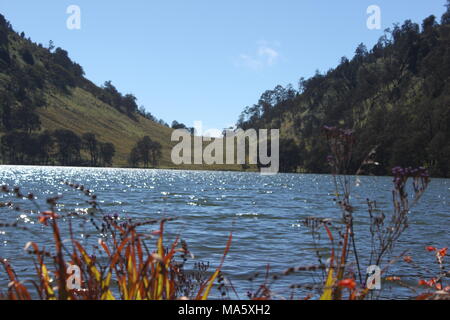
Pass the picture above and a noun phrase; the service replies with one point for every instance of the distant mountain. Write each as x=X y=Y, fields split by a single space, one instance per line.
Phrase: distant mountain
x=396 y=97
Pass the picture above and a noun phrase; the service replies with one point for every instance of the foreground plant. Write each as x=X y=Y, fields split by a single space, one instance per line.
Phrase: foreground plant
x=385 y=229
x=343 y=273
x=132 y=271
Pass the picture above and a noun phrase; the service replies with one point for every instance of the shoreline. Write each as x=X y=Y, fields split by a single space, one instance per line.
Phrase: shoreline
x=199 y=169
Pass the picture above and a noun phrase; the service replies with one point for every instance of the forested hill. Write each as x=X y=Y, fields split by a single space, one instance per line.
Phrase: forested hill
x=396 y=97
x=51 y=114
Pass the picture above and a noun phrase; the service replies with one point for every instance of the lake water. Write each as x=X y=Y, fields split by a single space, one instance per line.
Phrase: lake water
x=263 y=212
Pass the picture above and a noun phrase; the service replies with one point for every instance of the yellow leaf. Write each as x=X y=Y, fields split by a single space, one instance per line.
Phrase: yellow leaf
x=328 y=291
x=210 y=284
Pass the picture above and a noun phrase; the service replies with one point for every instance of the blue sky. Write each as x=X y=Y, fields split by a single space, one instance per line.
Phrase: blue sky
x=206 y=59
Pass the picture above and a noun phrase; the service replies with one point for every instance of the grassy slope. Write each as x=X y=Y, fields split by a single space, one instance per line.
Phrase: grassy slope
x=81 y=112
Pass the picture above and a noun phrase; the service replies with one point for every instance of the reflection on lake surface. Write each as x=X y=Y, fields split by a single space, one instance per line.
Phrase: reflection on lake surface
x=263 y=212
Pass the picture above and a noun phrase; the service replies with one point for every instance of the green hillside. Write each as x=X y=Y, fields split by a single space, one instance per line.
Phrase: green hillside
x=396 y=97
x=81 y=112
x=44 y=82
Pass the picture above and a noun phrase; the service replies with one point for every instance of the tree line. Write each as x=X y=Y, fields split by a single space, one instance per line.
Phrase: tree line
x=146 y=152
x=60 y=147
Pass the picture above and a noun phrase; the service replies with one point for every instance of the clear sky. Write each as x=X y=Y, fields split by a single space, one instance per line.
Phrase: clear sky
x=207 y=59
